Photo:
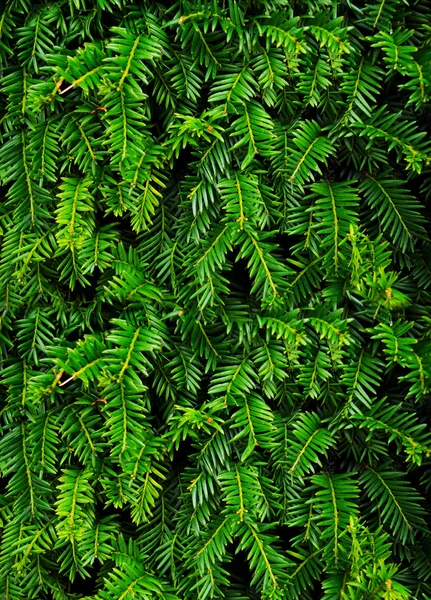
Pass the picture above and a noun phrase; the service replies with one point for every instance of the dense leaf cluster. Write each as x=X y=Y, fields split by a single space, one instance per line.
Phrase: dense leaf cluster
x=215 y=299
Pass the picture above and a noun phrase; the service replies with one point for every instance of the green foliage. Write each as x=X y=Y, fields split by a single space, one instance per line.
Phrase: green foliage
x=215 y=355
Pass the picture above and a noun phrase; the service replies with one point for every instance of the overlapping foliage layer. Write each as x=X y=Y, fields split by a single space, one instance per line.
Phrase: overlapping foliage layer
x=214 y=277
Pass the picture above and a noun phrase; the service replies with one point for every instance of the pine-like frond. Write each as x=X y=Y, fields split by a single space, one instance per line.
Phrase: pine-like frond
x=398 y=211
x=397 y=503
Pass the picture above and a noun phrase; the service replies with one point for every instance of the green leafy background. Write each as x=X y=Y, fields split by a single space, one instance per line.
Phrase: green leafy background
x=214 y=299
